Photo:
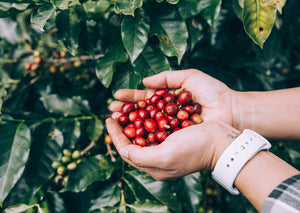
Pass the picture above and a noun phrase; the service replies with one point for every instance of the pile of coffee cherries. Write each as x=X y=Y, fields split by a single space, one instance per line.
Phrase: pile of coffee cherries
x=150 y=121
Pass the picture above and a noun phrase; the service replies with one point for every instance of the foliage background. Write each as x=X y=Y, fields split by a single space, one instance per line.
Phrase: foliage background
x=90 y=49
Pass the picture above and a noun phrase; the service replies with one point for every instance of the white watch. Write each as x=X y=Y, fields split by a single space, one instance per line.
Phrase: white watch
x=235 y=156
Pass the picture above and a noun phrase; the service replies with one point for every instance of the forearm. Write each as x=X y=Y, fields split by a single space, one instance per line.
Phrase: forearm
x=261 y=175
x=273 y=114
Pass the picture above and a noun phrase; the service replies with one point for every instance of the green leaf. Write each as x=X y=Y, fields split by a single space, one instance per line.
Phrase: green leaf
x=172 y=1
x=160 y=190
x=47 y=143
x=14 y=144
x=65 y=4
x=64 y=106
x=209 y=9
x=135 y=33
x=8 y=9
x=258 y=20
x=68 y=29
x=196 y=31
x=127 y=7
x=95 y=9
x=105 y=66
x=108 y=196
x=190 y=191
x=147 y=206
x=151 y=62
x=18 y=208
x=10 y=32
x=88 y=171
x=41 y=16
x=95 y=129
x=171 y=31
x=278 y=4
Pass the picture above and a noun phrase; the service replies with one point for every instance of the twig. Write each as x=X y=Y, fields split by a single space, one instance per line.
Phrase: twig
x=113 y=159
x=90 y=146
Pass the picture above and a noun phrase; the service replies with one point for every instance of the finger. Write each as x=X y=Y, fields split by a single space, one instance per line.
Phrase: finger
x=116 y=106
x=168 y=79
x=133 y=95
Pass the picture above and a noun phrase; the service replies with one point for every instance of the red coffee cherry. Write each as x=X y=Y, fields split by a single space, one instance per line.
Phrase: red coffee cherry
x=140 y=131
x=169 y=98
x=160 y=135
x=174 y=123
x=127 y=107
x=187 y=123
x=133 y=116
x=189 y=109
x=150 y=125
x=163 y=123
x=138 y=123
x=161 y=92
x=151 y=137
x=197 y=108
x=140 y=141
x=123 y=120
x=153 y=112
x=141 y=104
x=159 y=115
x=143 y=114
x=171 y=109
x=149 y=108
x=185 y=97
x=160 y=105
x=154 y=99
x=182 y=115
x=129 y=131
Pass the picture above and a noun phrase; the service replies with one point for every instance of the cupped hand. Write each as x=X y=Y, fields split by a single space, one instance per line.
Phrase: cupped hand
x=184 y=152
x=214 y=96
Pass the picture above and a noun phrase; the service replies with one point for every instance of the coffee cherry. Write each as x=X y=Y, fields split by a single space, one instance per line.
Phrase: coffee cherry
x=140 y=131
x=174 y=123
x=160 y=135
x=129 y=131
x=160 y=105
x=153 y=112
x=143 y=114
x=163 y=123
x=197 y=108
x=171 y=108
x=161 y=92
x=123 y=120
x=184 y=97
x=189 y=109
x=61 y=170
x=140 y=141
x=56 y=164
x=133 y=116
x=27 y=66
x=65 y=159
x=187 y=123
x=67 y=152
x=154 y=99
x=196 y=118
x=38 y=59
x=141 y=104
x=150 y=125
x=182 y=115
x=138 y=123
x=76 y=154
x=72 y=166
x=149 y=108
x=169 y=98
x=127 y=107
x=151 y=137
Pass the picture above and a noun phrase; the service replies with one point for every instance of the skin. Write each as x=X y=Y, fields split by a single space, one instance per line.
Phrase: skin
x=224 y=112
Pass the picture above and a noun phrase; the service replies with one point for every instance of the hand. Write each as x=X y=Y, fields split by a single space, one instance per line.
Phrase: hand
x=184 y=152
x=214 y=96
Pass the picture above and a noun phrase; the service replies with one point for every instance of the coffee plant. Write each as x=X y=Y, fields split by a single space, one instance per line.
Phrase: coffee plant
x=61 y=62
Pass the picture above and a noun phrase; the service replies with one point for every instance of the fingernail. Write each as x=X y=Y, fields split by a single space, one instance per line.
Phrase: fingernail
x=124 y=153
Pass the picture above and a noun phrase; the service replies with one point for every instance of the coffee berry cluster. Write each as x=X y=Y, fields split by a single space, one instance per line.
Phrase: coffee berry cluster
x=67 y=163
x=150 y=121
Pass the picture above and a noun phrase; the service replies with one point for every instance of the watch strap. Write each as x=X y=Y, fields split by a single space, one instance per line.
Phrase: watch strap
x=235 y=156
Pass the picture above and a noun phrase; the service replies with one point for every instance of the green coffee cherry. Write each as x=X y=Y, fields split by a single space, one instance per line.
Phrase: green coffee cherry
x=71 y=166
x=55 y=164
x=65 y=159
x=65 y=180
x=76 y=154
x=61 y=170
x=67 y=152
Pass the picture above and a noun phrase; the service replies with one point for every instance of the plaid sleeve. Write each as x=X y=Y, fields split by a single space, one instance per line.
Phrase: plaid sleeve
x=284 y=198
